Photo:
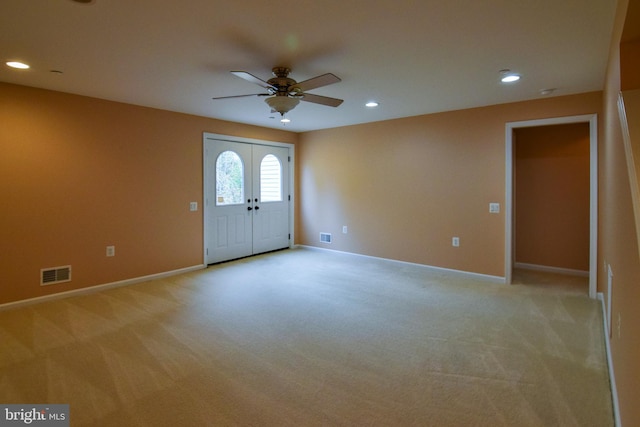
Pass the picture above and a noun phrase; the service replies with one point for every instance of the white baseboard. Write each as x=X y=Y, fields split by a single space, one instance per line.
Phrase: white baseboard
x=98 y=288
x=549 y=269
x=612 y=377
x=469 y=274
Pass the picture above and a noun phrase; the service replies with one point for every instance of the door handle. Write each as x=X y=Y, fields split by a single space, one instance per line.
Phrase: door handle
x=257 y=207
x=250 y=208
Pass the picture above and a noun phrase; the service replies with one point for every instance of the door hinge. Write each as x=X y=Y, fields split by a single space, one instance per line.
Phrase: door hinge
x=289 y=197
x=289 y=158
x=207 y=251
x=289 y=236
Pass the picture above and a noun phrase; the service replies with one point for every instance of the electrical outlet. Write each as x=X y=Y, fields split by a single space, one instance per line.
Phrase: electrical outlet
x=193 y=206
x=345 y=230
x=111 y=251
x=455 y=241
x=494 y=207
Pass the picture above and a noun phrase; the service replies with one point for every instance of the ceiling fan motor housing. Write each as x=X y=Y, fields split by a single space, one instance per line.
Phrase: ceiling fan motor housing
x=281 y=81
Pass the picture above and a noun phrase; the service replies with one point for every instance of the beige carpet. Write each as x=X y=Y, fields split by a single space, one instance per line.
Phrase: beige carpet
x=308 y=338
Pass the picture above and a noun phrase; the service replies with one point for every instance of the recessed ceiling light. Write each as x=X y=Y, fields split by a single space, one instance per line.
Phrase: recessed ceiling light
x=371 y=104
x=547 y=91
x=16 y=64
x=510 y=78
x=506 y=76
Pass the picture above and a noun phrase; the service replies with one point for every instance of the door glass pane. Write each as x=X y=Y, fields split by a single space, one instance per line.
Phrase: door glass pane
x=270 y=179
x=229 y=179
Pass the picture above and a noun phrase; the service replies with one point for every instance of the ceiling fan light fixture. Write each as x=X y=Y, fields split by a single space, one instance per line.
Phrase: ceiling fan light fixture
x=284 y=93
x=282 y=104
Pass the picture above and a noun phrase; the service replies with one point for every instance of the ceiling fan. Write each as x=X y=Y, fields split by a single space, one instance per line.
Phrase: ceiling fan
x=285 y=93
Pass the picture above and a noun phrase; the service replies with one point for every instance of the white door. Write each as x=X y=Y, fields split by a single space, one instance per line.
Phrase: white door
x=271 y=198
x=228 y=220
x=247 y=199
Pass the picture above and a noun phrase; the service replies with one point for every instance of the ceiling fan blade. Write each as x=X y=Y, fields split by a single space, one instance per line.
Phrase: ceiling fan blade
x=323 y=100
x=316 y=82
x=253 y=79
x=242 y=96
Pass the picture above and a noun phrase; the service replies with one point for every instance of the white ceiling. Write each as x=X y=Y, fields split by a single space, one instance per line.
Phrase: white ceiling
x=413 y=56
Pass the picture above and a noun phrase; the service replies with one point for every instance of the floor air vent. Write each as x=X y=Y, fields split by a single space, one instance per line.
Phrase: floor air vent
x=325 y=237
x=51 y=276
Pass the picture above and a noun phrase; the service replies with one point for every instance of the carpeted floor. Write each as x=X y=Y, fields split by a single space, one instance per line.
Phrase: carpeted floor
x=307 y=338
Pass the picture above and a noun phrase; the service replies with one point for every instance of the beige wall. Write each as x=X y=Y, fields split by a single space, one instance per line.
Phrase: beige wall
x=630 y=46
x=618 y=246
x=552 y=196
x=630 y=65
x=78 y=174
x=405 y=187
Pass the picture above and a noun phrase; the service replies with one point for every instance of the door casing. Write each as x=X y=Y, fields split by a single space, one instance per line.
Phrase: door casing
x=592 y=119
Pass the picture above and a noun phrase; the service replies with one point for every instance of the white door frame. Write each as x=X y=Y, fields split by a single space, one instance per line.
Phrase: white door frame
x=206 y=185
x=592 y=119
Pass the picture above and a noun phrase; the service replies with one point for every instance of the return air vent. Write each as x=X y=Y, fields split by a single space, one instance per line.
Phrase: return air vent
x=51 y=276
x=325 y=237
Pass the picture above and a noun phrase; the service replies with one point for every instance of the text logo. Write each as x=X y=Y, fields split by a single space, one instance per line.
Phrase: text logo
x=39 y=415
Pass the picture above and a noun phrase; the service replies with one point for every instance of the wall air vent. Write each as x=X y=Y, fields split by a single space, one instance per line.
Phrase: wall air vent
x=325 y=237
x=51 y=276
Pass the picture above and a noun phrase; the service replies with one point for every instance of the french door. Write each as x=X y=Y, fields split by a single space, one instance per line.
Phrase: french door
x=246 y=199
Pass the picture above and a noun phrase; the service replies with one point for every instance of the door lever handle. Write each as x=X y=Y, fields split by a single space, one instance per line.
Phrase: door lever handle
x=250 y=208
x=257 y=207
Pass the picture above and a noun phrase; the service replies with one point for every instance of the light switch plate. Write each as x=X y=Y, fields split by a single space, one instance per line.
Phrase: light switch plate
x=494 y=207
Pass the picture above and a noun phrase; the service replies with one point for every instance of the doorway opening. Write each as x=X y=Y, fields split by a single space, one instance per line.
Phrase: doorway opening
x=510 y=231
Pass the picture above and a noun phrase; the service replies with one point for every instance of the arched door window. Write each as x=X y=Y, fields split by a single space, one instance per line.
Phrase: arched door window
x=229 y=179
x=270 y=179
